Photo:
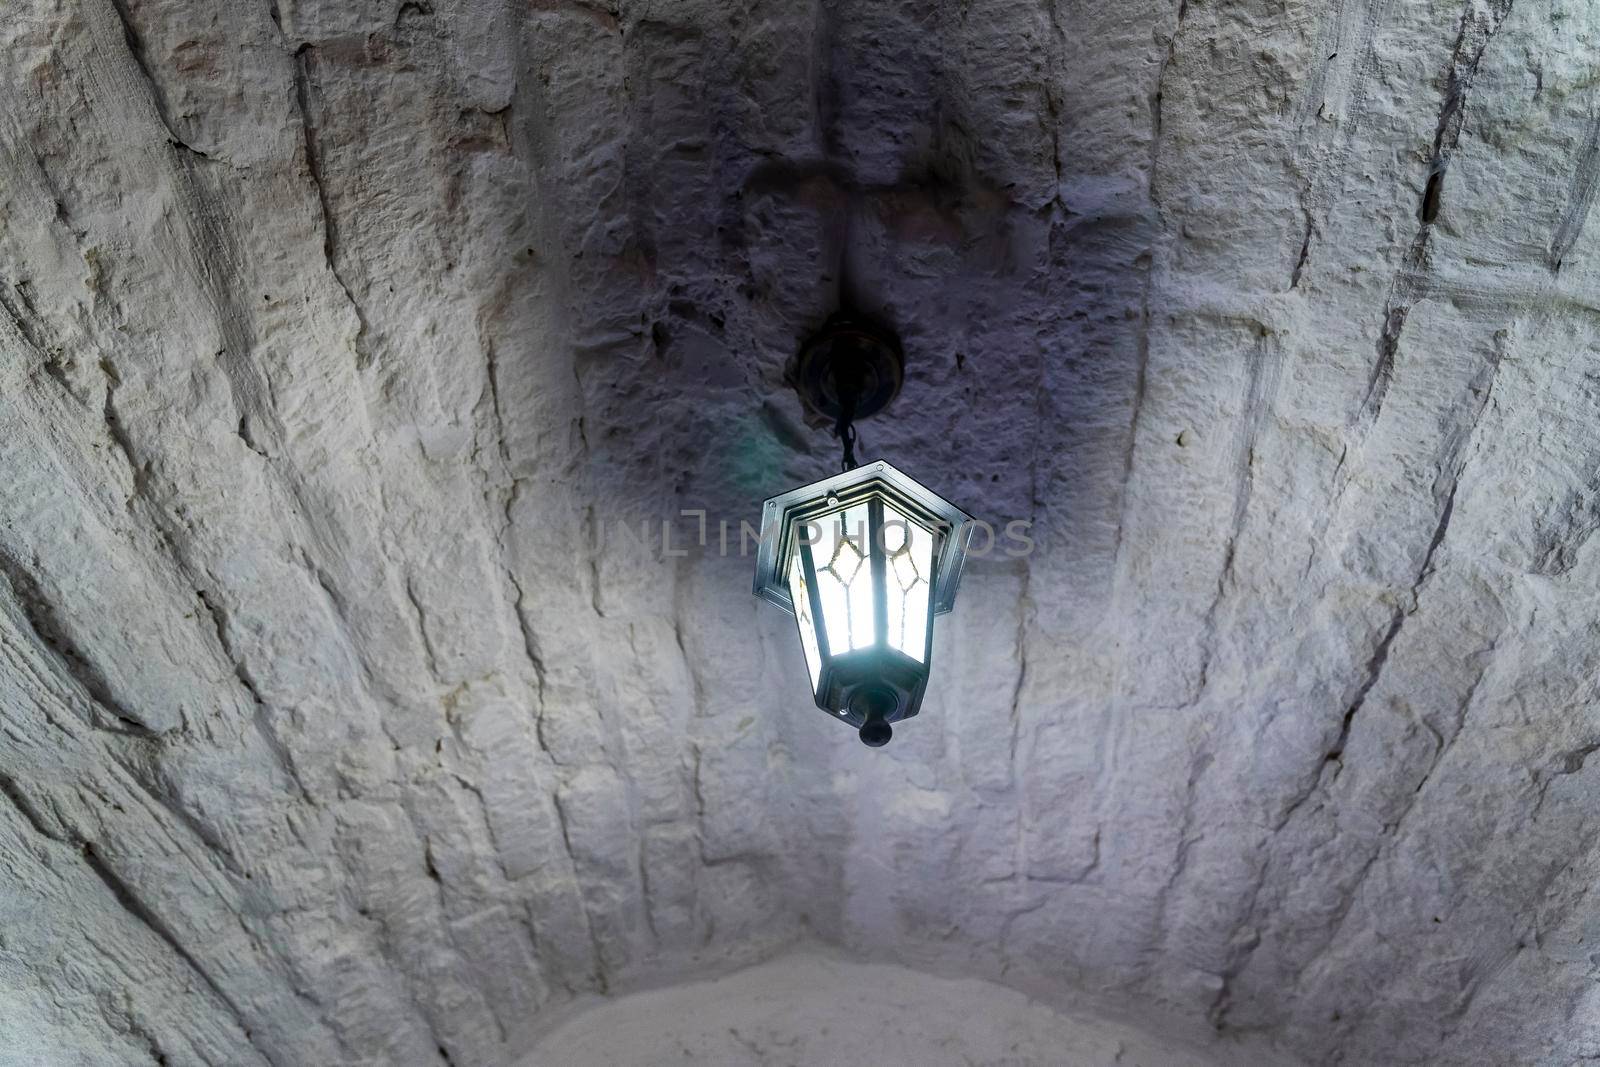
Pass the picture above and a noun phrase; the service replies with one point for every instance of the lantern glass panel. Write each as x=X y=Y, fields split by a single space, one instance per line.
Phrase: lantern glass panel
x=844 y=577
x=908 y=572
x=801 y=594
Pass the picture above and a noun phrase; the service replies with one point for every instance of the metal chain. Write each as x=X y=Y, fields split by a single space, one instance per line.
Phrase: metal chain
x=845 y=430
x=847 y=434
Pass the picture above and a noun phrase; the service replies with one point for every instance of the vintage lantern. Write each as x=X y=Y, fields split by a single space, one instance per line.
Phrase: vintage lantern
x=865 y=559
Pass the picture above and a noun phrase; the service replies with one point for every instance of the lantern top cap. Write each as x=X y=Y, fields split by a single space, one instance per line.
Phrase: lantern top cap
x=781 y=514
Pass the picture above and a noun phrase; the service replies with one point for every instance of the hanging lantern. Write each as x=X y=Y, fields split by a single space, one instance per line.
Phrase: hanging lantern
x=865 y=559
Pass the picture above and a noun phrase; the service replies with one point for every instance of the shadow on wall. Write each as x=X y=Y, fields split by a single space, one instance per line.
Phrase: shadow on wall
x=704 y=239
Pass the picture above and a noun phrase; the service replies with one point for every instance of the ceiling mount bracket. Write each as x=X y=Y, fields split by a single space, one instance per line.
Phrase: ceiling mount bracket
x=851 y=357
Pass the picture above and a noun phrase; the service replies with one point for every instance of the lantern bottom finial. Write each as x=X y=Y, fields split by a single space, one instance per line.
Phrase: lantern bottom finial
x=875 y=704
x=875 y=733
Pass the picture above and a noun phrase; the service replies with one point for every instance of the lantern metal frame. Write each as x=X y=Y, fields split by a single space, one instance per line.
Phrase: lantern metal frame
x=853 y=486
x=872 y=686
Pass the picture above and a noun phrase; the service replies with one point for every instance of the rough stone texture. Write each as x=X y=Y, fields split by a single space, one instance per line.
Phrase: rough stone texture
x=335 y=336
x=808 y=1009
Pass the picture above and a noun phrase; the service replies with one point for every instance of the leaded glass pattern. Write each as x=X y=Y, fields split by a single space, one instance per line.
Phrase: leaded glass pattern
x=844 y=577
x=802 y=613
x=908 y=574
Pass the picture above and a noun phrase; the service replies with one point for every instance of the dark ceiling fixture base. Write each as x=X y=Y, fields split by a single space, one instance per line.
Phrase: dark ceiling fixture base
x=850 y=358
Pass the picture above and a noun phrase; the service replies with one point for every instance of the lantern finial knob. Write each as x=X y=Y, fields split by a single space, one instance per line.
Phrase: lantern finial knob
x=875 y=733
x=875 y=704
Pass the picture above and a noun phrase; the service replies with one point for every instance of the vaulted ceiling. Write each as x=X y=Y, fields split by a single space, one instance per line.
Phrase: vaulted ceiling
x=344 y=716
